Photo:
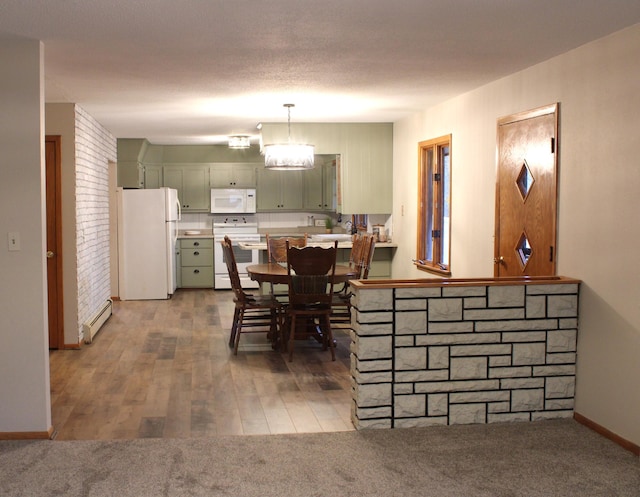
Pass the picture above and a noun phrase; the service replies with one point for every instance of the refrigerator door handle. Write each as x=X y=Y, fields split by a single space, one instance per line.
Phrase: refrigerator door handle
x=179 y=209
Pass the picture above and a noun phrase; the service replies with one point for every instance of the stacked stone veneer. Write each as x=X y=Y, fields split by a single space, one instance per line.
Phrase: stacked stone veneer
x=449 y=354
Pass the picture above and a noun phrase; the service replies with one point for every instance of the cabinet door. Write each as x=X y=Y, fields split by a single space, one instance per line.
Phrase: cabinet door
x=245 y=176
x=233 y=175
x=172 y=178
x=220 y=177
x=329 y=186
x=268 y=191
x=279 y=190
x=153 y=176
x=313 y=199
x=196 y=188
x=130 y=174
x=291 y=190
x=192 y=183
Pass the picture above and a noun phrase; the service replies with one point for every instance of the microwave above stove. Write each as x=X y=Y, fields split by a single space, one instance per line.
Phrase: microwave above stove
x=233 y=200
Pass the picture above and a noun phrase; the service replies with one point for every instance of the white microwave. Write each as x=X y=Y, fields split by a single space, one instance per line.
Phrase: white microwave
x=233 y=200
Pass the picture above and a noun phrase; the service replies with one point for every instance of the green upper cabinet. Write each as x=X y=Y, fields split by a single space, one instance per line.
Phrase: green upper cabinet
x=153 y=176
x=313 y=199
x=233 y=175
x=279 y=190
x=319 y=185
x=130 y=174
x=192 y=183
x=365 y=171
x=130 y=167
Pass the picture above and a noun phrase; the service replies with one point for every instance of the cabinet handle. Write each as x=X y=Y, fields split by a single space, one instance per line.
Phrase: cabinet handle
x=196 y=271
x=196 y=253
x=196 y=244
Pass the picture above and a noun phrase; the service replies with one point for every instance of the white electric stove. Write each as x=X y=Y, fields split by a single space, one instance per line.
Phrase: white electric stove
x=238 y=228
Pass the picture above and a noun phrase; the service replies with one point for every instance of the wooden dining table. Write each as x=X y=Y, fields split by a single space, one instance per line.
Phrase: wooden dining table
x=277 y=273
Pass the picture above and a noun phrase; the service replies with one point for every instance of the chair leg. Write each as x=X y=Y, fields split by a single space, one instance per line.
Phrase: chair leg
x=234 y=327
x=292 y=335
x=327 y=336
x=285 y=325
x=274 y=329
x=238 y=331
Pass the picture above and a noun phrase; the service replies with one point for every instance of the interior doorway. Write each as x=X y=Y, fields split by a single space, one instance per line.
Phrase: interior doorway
x=54 y=241
x=526 y=194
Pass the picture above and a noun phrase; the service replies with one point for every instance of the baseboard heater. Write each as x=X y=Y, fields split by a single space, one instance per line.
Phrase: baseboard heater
x=93 y=325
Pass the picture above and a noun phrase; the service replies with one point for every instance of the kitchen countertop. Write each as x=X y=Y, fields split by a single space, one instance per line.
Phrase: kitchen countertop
x=341 y=245
x=183 y=234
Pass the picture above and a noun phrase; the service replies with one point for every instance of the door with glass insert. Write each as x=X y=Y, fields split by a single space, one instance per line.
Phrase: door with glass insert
x=526 y=194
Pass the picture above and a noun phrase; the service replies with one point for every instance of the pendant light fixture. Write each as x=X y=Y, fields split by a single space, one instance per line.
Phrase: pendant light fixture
x=288 y=156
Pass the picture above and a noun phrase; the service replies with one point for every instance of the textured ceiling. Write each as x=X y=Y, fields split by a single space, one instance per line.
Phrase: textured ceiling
x=194 y=71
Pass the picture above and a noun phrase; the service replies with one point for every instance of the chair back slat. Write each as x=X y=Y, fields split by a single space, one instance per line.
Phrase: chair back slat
x=367 y=258
x=361 y=255
x=277 y=247
x=232 y=268
x=311 y=271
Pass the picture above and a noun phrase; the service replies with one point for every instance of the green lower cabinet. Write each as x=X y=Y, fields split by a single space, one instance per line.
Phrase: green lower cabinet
x=380 y=265
x=196 y=263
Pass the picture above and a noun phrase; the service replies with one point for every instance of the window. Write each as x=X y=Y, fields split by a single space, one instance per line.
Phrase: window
x=434 y=204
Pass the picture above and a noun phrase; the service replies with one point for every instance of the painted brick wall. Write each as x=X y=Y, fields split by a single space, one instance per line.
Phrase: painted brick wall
x=95 y=147
x=467 y=354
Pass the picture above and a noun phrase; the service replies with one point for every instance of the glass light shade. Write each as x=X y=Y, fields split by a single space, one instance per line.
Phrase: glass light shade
x=239 y=141
x=288 y=156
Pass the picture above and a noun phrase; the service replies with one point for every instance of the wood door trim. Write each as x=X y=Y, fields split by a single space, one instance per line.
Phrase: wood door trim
x=512 y=118
x=56 y=139
x=530 y=114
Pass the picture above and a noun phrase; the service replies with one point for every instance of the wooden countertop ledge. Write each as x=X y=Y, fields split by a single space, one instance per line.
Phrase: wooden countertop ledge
x=462 y=282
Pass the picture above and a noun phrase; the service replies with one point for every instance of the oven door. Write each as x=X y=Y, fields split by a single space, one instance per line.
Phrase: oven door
x=243 y=257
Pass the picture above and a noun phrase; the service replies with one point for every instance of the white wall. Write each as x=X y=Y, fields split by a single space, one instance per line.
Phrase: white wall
x=95 y=149
x=25 y=404
x=598 y=229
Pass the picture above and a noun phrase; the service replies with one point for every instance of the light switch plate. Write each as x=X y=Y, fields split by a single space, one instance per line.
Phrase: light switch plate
x=13 y=241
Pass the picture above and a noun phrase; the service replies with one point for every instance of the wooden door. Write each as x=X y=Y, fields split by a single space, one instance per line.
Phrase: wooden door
x=54 y=241
x=526 y=194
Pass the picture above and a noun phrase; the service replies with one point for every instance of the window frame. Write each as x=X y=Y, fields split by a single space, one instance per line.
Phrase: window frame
x=432 y=206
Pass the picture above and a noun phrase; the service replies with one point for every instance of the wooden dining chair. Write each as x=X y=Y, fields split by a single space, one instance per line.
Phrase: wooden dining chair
x=360 y=261
x=277 y=248
x=252 y=313
x=310 y=273
x=277 y=252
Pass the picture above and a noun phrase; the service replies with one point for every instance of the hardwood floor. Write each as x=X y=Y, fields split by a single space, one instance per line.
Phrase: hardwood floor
x=164 y=369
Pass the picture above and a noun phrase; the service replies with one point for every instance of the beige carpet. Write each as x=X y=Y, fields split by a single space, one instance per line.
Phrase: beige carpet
x=549 y=458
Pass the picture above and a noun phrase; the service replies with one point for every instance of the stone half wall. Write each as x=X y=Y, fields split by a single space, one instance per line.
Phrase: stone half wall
x=458 y=352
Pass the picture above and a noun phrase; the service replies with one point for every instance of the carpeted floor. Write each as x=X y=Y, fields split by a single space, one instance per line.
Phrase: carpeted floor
x=548 y=458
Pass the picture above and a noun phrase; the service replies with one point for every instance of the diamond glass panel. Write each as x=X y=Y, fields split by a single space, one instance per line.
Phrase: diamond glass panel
x=523 y=249
x=525 y=180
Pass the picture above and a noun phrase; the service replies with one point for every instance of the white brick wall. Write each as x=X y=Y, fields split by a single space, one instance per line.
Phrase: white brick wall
x=95 y=147
x=469 y=354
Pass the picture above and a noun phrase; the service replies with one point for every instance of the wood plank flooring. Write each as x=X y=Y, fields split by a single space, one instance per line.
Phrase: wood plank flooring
x=164 y=369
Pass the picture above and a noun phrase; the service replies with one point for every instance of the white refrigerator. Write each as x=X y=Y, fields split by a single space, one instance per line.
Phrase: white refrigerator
x=147 y=237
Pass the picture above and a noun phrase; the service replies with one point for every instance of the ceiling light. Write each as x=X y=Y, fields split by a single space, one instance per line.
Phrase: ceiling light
x=288 y=156
x=239 y=141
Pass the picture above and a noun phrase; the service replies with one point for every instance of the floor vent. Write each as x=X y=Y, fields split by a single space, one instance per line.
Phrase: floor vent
x=91 y=326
